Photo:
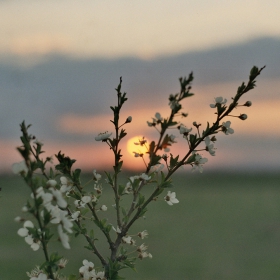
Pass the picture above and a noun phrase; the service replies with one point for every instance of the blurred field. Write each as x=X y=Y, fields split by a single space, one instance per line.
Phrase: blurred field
x=226 y=226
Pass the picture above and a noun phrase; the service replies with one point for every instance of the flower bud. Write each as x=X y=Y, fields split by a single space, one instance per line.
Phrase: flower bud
x=51 y=183
x=243 y=117
x=213 y=139
x=248 y=104
x=164 y=157
x=103 y=208
x=128 y=120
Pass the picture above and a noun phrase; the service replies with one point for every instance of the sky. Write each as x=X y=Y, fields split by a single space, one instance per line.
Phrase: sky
x=60 y=62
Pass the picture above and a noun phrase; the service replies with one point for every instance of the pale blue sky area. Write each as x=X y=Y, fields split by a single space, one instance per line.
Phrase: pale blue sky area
x=131 y=28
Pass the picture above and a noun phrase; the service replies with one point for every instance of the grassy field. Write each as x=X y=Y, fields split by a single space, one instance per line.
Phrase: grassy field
x=226 y=226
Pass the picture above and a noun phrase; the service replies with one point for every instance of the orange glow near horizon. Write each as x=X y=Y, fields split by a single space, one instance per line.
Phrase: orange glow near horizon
x=134 y=148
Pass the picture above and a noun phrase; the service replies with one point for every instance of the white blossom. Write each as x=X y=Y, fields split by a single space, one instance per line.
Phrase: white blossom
x=144 y=177
x=157 y=167
x=86 y=199
x=51 y=183
x=118 y=230
x=34 y=243
x=66 y=184
x=62 y=263
x=173 y=103
x=103 y=136
x=59 y=198
x=143 y=234
x=184 y=130
x=128 y=188
x=75 y=216
x=24 y=232
x=64 y=238
x=197 y=164
x=158 y=117
x=96 y=176
x=170 y=198
x=226 y=128
x=41 y=276
x=128 y=240
x=209 y=146
x=98 y=188
x=103 y=208
x=20 y=168
x=167 y=150
x=18 y=219
x=100 y=276
x=87 y=270
x=142 y=249
x=143 y=255
x=218 y=100
x=172 y=139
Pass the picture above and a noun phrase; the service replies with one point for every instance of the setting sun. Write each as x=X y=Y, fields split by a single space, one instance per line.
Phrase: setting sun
x=132 y=147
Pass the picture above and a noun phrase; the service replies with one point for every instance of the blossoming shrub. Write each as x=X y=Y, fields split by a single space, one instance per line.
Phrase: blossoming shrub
x=61 y=202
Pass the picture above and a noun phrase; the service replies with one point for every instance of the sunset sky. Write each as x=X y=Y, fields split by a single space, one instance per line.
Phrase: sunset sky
x=61 y=60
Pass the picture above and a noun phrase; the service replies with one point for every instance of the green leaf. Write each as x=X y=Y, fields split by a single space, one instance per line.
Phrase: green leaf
x=152 y=147
x=122 y=134
x=141 y=199
x=76 y=176
x=123 y=211
x=47 y=216
x=159 y=191
x=65 y=163
x=121 y=189
x=51 y=173
x=193 y=139
x=108 y=228
x=173 y=161
x=254 y=73
x=109 y=178
x=172 y=123
x=91 y=234
x=187 y=94
x=154 y=159
x=206 y=130
x=167 y=184
x=143 y=211
x=118 y=168
x=191 y=159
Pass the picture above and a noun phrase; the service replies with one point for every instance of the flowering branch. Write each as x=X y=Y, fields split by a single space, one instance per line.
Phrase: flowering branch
x=67 y=203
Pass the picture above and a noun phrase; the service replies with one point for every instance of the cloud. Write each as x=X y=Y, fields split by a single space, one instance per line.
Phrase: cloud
x=57 y=87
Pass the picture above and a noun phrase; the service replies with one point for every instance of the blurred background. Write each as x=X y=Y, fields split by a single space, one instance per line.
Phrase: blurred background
x=60 y=62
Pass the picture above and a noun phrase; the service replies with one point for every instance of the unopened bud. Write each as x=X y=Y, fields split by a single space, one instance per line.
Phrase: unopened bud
x=164 y=157
x=248 y=103
x=128 y=120
x=213 y=139
x=103 y=208
x=243 y=117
